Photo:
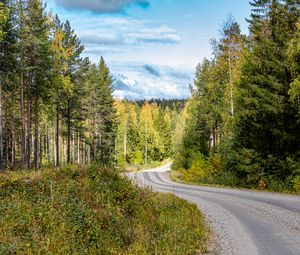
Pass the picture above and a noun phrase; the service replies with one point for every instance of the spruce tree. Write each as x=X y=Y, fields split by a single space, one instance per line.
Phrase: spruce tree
x=106 y=113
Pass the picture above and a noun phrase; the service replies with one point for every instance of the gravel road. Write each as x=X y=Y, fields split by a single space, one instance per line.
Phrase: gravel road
x=242 y=222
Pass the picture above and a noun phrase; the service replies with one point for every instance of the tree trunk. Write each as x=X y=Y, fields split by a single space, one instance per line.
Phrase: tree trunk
x=69 y=141
x=6 y=136
x=47 y=146
x=102 y=152
x=36 y=139
x=1 y=129
x=78 y=149
x=95 y=147
x=51 y=148
x=94 y=129
x=73 y=147
x=89 y=154
x=43 y=143
x=214 y=139
x=13 y=133
x=115 y=150
x=125 y=145
x=61 y=142
x=23 y=131
x=22 y=96
x=57 y=137
x=231 y=85
x=82 y=152
x=29 y=125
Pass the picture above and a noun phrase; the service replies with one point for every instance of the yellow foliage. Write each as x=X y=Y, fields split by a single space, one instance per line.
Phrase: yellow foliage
x=297 y=184
x=4 y=13
x=262 y=185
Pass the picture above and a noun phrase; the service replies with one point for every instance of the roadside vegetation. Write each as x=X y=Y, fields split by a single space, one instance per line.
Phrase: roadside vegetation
x=78 y=210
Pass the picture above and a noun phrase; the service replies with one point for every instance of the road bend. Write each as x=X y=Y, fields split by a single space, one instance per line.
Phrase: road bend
x=242 y=222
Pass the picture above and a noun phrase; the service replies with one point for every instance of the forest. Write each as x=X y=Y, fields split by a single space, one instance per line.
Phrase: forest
x=244 y=122
x=57 y=107
x=240 y=127
x=70 y=152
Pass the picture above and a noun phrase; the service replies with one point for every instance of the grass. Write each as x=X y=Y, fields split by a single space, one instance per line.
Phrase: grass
x=93 y=211
x=177 y=176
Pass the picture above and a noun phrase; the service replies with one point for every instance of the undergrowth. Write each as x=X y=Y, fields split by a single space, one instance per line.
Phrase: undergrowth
x=92 y=211
x=211 y=171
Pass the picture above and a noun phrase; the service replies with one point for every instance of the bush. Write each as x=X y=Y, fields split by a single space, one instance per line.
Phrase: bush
x=200 y=170
x=296 y=183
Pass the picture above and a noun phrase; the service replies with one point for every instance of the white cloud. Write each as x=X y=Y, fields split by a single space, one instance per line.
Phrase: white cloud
x=140 y=81
x=105 y=34
x=101 y=6
x=100 y=39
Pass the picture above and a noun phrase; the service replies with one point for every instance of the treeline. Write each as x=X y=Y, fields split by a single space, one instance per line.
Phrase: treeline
x=55 y=106
x=243 y=122
x=173 y=104
x=145 y=132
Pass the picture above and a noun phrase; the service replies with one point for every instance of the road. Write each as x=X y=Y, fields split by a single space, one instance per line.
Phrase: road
x=242 y=222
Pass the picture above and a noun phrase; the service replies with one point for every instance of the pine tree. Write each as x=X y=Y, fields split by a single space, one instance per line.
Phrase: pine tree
x=21 y=46
x=39 y=54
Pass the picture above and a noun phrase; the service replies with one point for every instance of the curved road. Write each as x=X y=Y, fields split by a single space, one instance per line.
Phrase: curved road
x=242 y=222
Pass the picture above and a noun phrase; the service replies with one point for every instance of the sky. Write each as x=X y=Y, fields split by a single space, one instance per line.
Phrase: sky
x=152 y=47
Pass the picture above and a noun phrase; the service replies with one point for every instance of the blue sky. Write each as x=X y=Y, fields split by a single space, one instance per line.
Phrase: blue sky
x=151 y=46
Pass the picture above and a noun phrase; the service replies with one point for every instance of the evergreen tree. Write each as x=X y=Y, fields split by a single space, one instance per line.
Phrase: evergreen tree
x=106 y=113
x=268 y=128
x=7 y=80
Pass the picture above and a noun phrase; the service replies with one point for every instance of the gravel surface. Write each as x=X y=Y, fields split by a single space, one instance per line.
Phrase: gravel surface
x=242 y=222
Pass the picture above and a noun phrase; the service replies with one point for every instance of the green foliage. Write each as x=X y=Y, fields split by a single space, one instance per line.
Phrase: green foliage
x=106 y=113
x=293 y=53
x=244 y=114
x=4 y=14
x=199 y=171
x=92 y=211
